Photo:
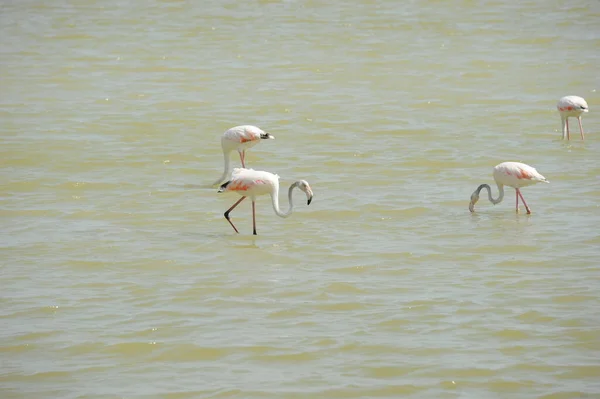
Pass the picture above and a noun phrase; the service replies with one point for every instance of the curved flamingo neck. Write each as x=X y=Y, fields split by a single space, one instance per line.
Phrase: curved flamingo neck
x=226 y=167
x=489 y=191
x=275 y=199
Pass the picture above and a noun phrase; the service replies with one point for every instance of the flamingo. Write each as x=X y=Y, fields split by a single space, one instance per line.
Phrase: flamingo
x=512 y=174
x=252 y=183
x=571 y=106
x=240 y=138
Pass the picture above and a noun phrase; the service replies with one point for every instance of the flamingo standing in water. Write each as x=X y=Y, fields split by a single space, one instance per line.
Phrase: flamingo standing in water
x=252 y=183
x=512 y=174
x=571 y=106
x=239 y=138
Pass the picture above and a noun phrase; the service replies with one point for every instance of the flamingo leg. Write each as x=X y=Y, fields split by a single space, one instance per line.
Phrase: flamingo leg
x=580 y=127
x=243 y=158
x=517 y=195
x=226 y=214
x=568 y=133
x=253 y=219
x=524 y=203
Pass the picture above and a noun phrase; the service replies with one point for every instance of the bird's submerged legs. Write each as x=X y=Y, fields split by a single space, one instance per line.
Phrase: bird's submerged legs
x=580 y=127
x=226 y=214
x=243 y=158
x=524 y=203
x=253 y=218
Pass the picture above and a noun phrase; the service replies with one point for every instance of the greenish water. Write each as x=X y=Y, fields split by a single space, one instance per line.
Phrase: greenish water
x=121 y=278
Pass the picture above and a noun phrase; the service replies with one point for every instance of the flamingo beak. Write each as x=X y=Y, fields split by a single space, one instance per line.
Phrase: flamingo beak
x=309 y=196
x=474 y=200
x=267 y=136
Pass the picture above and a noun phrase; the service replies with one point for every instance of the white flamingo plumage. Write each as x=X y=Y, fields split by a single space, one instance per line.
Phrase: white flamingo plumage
x=252 y=183
x=239 y=138
x=571 y=106
x=512 y=174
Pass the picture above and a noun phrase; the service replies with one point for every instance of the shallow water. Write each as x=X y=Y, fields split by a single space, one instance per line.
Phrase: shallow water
x=121 y=277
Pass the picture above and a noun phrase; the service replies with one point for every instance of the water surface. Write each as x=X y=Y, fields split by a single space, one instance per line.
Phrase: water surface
x=121 y=278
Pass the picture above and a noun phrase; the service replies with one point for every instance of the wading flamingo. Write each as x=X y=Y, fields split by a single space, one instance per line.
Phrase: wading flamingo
x=252 y=183
x=571 y=106
x=512 y=174
x=239 y=138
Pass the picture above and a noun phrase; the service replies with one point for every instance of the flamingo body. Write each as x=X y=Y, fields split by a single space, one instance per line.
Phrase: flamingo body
x=512 y=174
x=240 y=139
x=571 y=106
x=517 y=174
x=253 y=183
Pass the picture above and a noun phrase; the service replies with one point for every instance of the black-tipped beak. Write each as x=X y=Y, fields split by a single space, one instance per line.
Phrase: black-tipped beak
x=472 y=206
x=266 y=136
x=223 y=186
x=309 y=201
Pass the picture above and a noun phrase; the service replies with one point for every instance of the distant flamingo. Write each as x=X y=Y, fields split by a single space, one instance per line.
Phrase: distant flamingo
x=571 y=106
x=512 y=174
x=239 y=138
x=252 y=183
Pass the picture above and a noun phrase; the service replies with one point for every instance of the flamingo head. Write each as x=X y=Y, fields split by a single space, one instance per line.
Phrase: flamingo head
x=474 y=199
x=304 y=186
x=266 y=136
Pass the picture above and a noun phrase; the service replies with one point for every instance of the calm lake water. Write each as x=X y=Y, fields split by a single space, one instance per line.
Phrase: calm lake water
x=121 y=278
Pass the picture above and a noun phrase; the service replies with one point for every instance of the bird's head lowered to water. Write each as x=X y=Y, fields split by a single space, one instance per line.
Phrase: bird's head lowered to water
x=474 y=199
x=266 y=136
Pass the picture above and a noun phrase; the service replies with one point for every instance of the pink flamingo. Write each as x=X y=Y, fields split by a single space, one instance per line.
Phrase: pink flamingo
x=252 y=183
x=512 y=174
x=240 y=138
x=571 y=106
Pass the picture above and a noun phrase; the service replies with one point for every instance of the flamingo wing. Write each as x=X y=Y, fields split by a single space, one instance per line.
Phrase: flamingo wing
x=517 y=174
x=243 y=134
x=249 y=181
x=530 y=173
x=572 y=103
